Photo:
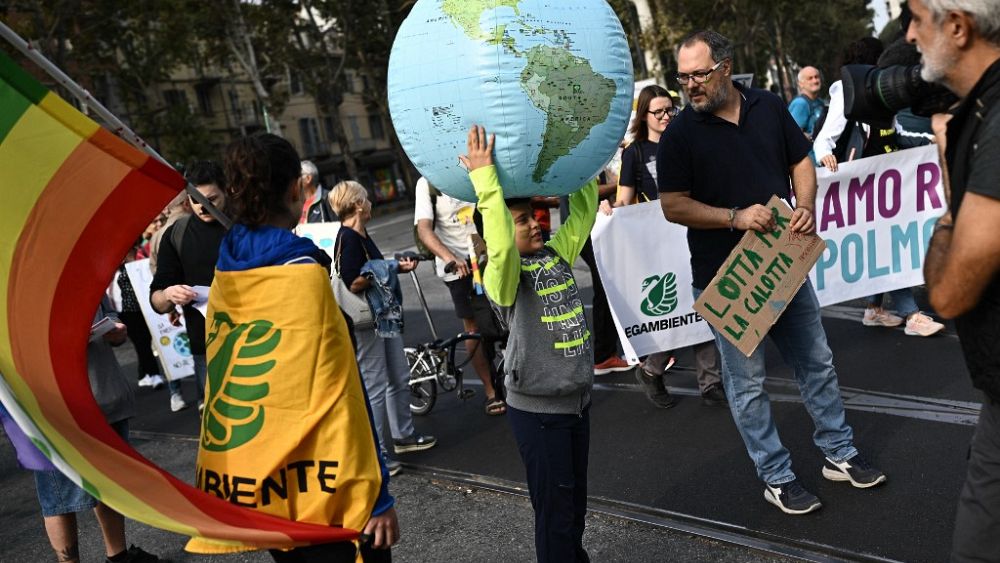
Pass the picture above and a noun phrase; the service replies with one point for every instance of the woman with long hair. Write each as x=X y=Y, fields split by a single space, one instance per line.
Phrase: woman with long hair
x=637 y=184
x=283 y=385
x=637 y=181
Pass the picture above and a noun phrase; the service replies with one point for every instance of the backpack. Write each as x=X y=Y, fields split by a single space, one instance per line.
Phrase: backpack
x=421 y=247
x=177 y=234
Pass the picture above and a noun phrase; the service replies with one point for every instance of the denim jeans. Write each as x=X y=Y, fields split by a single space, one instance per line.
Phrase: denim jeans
x=387 y=380
x=902 y=300
x=57 y=494
x=800 y=338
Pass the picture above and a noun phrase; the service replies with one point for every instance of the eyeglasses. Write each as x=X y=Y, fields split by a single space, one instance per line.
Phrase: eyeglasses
x=699 y=76
x=671 y=111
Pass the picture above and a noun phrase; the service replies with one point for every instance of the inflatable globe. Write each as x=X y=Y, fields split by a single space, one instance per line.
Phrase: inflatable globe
x=551 y=78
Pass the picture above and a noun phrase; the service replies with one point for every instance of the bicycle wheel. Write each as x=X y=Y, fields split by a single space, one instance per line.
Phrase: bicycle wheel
x=423 y=394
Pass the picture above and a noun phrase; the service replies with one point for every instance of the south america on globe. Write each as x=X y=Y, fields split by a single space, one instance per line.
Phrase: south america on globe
x=551 y=78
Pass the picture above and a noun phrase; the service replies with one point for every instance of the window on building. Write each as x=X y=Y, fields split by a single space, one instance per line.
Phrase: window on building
x=349 y=81
x=375 y=126
x=352 y=122
x=364 y=83
x=294 y=82
x=204 y=93
x=234 y=105
x=174 y=98
x=331 y=135
x=309 y=132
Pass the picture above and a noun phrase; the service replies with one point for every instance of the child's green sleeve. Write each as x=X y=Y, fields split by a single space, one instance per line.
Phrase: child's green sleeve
x=573 y=234
x=503 y=271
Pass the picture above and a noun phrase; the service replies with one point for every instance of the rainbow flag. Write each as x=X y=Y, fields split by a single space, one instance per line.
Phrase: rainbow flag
x=74 y=197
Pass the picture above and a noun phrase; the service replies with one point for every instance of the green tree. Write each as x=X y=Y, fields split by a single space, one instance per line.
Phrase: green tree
x=120 y=50
x=253 y=41
x=784 y=33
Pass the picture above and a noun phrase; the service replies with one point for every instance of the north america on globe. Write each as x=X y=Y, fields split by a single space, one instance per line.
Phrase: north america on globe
x=563 y=86
x=552 y=79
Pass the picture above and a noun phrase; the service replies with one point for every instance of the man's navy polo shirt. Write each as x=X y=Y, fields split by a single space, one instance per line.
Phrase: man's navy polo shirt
x=725 y=165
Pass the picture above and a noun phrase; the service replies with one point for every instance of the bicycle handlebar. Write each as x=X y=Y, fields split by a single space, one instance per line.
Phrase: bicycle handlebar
x=415 y=256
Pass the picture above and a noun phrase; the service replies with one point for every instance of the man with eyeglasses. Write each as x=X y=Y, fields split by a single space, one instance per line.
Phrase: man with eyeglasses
x=717 y=164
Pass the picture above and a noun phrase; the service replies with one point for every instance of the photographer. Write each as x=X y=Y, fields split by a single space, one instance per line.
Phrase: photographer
x=961 y=50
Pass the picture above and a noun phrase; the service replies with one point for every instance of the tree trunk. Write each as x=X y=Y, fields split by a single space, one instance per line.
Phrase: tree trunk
x=241 y=46
x=324 y=89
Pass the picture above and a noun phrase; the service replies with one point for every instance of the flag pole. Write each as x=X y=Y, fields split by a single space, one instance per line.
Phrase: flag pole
x=118 y=127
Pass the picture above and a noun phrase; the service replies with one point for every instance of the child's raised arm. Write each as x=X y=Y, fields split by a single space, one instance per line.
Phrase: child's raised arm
x=573 y=234
x=503 y=270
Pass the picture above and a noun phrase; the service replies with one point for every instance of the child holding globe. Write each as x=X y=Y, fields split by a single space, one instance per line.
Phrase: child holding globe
x=549 y=359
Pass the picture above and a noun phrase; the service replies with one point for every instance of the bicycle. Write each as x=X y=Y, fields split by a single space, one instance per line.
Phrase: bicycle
x=432 y=364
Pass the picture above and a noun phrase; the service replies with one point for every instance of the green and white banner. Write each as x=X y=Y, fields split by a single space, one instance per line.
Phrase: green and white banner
x=645 y=267
x=875 y=215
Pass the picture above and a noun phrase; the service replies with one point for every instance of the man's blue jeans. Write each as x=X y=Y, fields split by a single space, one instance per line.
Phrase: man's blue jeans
x=902 y=300
x=800 y=337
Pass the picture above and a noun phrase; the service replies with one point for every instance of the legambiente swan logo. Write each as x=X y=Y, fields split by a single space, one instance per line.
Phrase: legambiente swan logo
x=660 y=295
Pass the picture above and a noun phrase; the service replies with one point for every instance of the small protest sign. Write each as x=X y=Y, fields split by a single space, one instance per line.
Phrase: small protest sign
x=758 y=279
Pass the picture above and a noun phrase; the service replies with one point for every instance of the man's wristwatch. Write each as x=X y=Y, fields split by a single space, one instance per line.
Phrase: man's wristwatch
x=732 y=219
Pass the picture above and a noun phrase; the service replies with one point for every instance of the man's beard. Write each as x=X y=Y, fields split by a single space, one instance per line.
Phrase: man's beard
x=937 y=60
x=712 y=101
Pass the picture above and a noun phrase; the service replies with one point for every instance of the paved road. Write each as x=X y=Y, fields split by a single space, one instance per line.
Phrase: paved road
x=909 y=400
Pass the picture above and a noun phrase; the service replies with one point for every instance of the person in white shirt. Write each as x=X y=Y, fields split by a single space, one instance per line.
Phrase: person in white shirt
x=444 y=225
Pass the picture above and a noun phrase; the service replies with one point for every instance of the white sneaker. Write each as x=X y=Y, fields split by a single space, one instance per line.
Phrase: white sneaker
x=201 y=406
x=146 y=381
x=158 y=381
x=880 y=317
x=177 y=402
x=920 y=324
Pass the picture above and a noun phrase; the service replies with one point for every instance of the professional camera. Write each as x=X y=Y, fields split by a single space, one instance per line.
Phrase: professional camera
x=874 y=95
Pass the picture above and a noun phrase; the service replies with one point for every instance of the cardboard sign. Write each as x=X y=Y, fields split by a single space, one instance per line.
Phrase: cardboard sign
x=758 y=279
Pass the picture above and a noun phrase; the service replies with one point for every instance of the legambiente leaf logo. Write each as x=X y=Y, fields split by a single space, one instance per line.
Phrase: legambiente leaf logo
x=660 y=295
x=237 y=381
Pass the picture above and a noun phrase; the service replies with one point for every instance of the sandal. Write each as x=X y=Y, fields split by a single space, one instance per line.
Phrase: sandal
x=495 y=407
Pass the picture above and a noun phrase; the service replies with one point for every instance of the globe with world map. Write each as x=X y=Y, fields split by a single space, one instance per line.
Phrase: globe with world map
x=551 y=78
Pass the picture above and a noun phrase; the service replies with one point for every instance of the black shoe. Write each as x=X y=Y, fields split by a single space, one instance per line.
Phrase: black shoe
x=135 y=555
x=414 y=443
x=714 y=396
x=857 y=470
x=655 y=391
x=791 y=498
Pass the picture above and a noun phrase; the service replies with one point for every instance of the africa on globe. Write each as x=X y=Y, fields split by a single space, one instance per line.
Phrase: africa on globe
x=551 y=78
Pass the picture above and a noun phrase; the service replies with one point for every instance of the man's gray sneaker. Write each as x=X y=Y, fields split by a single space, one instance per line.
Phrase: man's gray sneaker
x=791 y=498
x=857 y=470
x=655 y=391
x=414 y=443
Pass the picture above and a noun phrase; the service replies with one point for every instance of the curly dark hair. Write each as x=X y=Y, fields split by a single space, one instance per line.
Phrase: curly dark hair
x=259 y=169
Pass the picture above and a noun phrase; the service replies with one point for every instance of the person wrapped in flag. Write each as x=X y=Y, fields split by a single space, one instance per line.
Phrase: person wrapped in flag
x=286 y=429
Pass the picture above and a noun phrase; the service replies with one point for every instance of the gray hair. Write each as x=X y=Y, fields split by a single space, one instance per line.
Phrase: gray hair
x=984 y=12
x=719 y=46
x=309 y=168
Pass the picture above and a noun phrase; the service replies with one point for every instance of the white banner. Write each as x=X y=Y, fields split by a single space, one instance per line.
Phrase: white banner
x=875 y=214
x=324 y=235
x=645 y=267
x=171 y=342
